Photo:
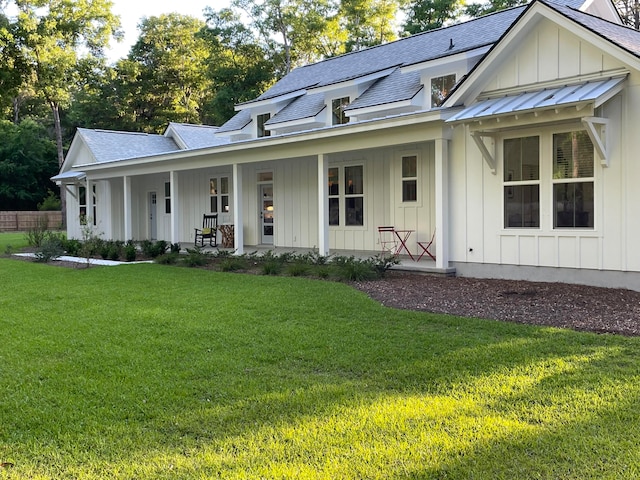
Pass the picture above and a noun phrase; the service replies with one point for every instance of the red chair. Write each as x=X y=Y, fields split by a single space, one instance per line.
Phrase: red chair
x=425 y=246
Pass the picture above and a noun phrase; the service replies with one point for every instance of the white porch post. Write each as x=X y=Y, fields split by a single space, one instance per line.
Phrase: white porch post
x=238 y=236
x=442 y=202
x=323 y=205
x=128 y=223
x=175 y=205
x=88 y=198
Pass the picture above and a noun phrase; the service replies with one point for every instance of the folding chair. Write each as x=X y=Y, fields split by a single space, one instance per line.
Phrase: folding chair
x=208 y=231
x=388 y=240
x=425 y=246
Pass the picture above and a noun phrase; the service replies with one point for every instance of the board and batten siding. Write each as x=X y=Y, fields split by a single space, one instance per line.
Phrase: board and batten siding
x=477 y=232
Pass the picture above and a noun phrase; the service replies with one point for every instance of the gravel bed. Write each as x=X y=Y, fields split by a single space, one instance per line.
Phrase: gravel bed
x=579 y=307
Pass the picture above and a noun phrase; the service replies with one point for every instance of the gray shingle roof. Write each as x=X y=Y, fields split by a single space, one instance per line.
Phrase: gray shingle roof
x=197 y=136
x=407 y=51
x=107 y=145
x=307 y=106
x=396 y=87
x=237 y=122
x=624 y=37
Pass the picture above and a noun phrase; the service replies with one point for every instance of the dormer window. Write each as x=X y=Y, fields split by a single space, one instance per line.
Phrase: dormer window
x=337 y=111
x=261 y=120
x=440 y=88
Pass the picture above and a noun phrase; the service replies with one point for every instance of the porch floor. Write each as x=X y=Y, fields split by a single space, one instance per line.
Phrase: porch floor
x=425 y=265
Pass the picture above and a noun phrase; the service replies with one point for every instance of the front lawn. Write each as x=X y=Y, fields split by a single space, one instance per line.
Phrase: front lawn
x=151 y=372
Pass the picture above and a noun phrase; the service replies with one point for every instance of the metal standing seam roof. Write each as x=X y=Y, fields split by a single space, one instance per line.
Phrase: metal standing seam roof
x=539 y=99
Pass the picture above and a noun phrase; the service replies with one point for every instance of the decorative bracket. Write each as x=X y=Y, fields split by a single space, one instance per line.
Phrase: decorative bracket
x=478 y=138
x=598 y=133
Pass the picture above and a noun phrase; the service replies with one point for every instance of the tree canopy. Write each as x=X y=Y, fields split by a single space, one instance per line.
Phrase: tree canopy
x=54 y=75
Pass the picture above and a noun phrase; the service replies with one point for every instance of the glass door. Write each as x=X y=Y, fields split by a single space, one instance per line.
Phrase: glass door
x=266 y=213
x=153 y=223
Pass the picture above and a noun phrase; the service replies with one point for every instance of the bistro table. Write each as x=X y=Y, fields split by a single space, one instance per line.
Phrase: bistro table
x=226 y=229
x=403 y=236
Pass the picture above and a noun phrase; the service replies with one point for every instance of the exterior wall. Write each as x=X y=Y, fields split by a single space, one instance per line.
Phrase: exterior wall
x=549 y=53
x=480 y=246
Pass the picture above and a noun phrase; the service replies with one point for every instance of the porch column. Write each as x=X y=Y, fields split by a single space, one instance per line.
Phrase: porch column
x=175 y=205
x=92 y=221
x=442 y=202
x=238 y=236
x=323 y=205
x=128 y=223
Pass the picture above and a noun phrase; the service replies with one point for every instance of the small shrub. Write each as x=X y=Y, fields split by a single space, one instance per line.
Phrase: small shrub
x=71 y=246
x=36 y=235
x=381 y=263
x=175 y=248
x=115 y=250
x=232 y=264
x=130 y=251
x=51 y=249
x=195 y=257
x=271 y=267
x=167 y=258
x=354 y=270
x=153 y=249
x=297 y=269
x=323 y=272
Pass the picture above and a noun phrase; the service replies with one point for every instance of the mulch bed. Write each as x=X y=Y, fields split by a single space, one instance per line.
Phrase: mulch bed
x=579 y=307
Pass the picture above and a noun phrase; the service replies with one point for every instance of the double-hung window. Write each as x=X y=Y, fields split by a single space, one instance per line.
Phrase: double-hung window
x=219 y=194
x=167 y=197
x=346 y=195
x=521 y=182
x=573 y=177
x=410 y=178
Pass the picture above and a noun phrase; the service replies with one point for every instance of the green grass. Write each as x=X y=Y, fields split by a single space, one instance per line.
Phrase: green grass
x=152 y=372
x=14 y=241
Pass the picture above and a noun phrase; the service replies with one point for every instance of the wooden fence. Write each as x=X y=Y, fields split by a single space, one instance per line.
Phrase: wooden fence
x=24 y=221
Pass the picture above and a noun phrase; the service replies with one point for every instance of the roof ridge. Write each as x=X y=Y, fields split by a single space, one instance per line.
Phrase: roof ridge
x=413 y=36
x=555 y=4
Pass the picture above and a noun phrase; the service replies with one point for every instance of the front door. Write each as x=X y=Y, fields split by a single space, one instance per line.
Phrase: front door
x=153 y=222
x=266 y=213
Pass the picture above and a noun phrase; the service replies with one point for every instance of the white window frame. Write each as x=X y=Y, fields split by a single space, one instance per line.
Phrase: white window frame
x=219 y=194
x=343 y=195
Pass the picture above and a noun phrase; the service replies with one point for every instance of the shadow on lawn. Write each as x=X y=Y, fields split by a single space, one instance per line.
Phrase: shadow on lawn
x=541 y=405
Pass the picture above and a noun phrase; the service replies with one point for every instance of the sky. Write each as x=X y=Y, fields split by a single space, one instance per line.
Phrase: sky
x=131 y=11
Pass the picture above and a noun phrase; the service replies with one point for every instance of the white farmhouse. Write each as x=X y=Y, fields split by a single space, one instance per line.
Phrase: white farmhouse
x=512 y=137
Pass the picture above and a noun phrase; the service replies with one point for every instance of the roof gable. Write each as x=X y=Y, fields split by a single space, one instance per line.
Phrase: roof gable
x=601 y=36
x=109 y=145
x=189 y=136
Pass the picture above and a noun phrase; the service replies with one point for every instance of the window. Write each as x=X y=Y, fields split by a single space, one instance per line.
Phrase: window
x=573 y=176
x=522 y=182
x=337 y=111
x=261 y=120
x=167 y=197
x=410 y=178
x=219 y=194
x=440 y=88
x=82 y=204
x=346 y=188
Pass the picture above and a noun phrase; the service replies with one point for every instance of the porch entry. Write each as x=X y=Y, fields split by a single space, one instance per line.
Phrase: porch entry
x=153 y=221
x=266 y=213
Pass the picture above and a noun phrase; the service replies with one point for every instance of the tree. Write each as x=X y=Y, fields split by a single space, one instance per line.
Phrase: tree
x=629 y=12
x=369 y=22
x=27 y=161
x=423 y=15
x=170 y=81
x=479 y=9
x=51 y=35
x=238 y=66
